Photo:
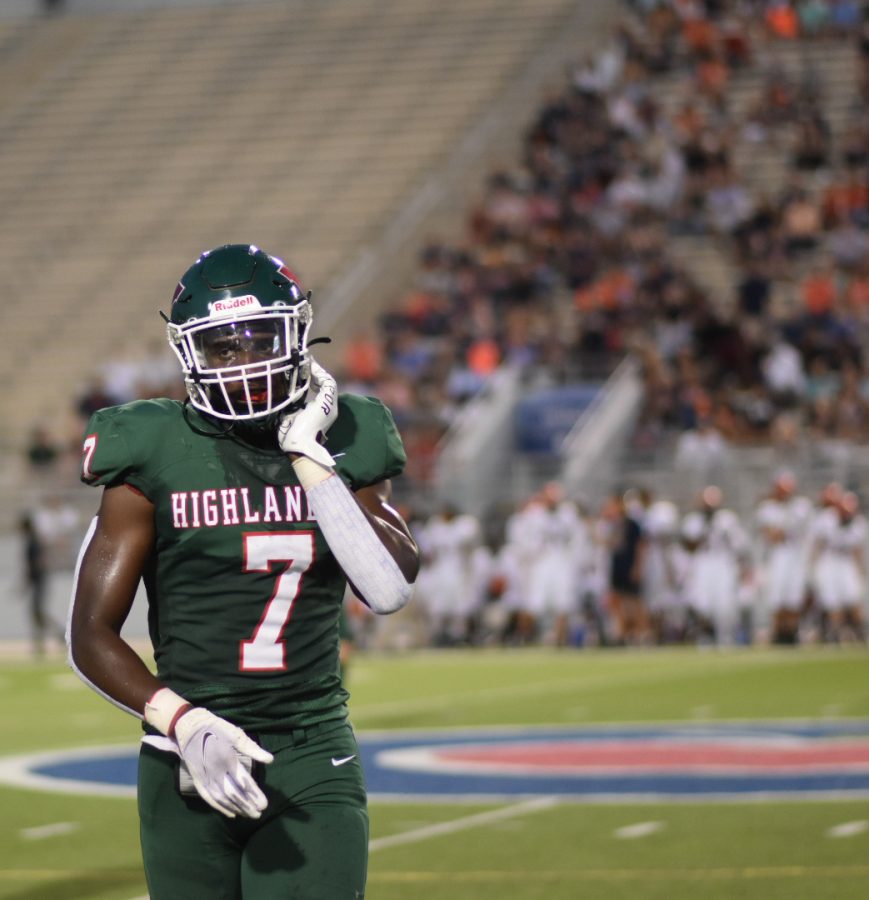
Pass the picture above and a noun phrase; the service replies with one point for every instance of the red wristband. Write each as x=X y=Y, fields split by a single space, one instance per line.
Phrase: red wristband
x=176 y=717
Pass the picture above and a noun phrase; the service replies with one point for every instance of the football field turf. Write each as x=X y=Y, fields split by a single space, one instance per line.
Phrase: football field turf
x=549 y=845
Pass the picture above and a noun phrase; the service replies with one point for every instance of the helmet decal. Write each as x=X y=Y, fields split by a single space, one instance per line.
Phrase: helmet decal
x=287 y=272
x=234 y=306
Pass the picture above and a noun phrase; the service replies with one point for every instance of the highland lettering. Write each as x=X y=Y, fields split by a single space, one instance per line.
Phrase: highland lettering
x=237 y=506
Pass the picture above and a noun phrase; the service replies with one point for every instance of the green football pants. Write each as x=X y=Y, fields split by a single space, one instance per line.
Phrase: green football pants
x=311 y=843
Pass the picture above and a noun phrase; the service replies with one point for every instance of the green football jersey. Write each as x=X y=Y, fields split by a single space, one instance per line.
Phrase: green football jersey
x=243 y=592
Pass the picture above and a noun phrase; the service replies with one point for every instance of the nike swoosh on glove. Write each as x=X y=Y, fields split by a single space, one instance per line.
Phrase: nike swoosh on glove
x=298 y=432
x=212 y=749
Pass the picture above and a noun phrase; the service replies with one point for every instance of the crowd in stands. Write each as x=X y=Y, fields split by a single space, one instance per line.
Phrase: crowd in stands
x=564 y=265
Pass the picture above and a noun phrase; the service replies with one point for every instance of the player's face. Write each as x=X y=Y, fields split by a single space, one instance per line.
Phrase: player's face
x=240 y=344
x=247 y=347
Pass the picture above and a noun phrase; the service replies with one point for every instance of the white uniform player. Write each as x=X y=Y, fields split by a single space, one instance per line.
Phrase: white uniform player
x=449 y=543
x=825 y=512
x=720 y=549
x=514 y=565
x=660 y=592
x=840 y=540
x=550 y=527
x=783 y=522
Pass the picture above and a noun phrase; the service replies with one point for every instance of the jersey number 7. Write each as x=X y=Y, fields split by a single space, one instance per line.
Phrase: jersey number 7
x=265 y=651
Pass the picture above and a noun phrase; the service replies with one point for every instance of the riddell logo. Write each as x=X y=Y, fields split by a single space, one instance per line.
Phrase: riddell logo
x=233 y=305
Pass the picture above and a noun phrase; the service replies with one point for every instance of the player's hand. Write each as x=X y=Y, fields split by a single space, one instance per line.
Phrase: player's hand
x=298 y=432
x=212 y=749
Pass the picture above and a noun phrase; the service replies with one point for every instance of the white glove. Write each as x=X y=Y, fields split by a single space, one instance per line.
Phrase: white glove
x=298 y=431
x=212 y=750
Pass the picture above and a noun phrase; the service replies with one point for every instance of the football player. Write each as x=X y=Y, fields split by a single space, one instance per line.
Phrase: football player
x=246 y=510
x=718 y=563
x=840 y=551
x=783 y=520
x=450 y=541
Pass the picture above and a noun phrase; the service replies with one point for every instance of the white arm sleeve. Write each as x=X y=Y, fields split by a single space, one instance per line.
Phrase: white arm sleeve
x=355 y=544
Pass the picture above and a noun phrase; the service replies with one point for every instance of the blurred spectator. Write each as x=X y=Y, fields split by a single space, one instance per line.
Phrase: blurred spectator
x=800 y=220
x=42 y=451
x=845 y=15
x=754 y=292
x=363 y=358
x=56 y=525
x=35 y=568
x=847 y=196
x=814 y=18
x=818 y=290
x=854 y=141
x=847 y=244
x=811 y=141
x=95 y=396
x=777 y=103
x=701 y=451
x=728 y=203
x=782 y=20
x=857 y=293
x=783 y=372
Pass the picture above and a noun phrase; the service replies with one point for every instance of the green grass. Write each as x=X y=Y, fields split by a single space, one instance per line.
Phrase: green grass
x=564 y=850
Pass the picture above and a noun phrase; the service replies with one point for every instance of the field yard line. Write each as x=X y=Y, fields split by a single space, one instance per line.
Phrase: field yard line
x=486 y=818
x=638 y=830
x=53 y=829
x=848 y=829
x=579 y=684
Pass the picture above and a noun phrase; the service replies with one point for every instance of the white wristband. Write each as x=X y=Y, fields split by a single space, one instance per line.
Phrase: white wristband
x=164 y=709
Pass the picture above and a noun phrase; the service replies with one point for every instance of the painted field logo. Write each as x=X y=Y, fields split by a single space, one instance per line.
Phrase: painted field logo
x=726 y=761
x=626 y=763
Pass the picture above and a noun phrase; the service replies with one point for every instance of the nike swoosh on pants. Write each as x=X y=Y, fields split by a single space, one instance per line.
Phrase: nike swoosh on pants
x=344 y=759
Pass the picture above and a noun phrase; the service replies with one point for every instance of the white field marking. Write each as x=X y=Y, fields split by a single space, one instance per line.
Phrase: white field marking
x=16 y=771
x=487 y=818
x=848 y=829
x=704 y=711
x=41 y=832
x=638 y=830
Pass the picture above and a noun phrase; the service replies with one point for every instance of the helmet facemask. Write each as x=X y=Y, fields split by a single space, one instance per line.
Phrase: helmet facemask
x=246 y=367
